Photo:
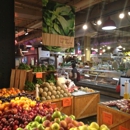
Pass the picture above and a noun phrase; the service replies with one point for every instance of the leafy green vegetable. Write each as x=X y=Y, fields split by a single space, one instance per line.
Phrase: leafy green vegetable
x=24 y=66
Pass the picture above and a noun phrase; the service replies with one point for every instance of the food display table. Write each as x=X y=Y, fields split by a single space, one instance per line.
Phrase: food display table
x=85 y=103
x=113 y=118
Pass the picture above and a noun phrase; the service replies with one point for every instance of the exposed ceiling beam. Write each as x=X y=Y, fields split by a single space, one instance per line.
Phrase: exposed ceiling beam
x=27 y=13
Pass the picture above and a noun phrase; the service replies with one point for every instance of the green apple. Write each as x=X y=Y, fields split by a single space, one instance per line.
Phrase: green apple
x=19 y=129
x=40 y=127
x=94 y=125
x=64 y=116
x=55 y=126
x=83 y=127
x=38 y=119
x=72 y=117
x=57 y=120
x=56 y=114
x=103 y=126
x=34 y=124
x=28 y=127
x=43 y=119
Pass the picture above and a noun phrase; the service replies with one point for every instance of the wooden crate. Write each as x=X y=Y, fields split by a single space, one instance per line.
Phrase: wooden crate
x=113 y=118
x=18 y=78
x=59 y=103
x=85 y=105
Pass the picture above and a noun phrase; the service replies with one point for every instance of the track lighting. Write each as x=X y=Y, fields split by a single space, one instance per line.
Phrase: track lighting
x=99 y=22
x=85 y=26
x=121 y=15
x=25 y=32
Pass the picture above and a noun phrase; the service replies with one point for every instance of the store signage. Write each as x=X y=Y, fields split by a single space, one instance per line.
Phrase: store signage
x=66 y=102
x=39 y=75
x=122 y=128
x=59 y=29
x=107 y=118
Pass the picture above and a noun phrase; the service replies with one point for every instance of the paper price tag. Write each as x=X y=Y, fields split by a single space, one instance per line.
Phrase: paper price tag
x=39 y=75
x=66 y=102
x=107 y=118
x=122 y=128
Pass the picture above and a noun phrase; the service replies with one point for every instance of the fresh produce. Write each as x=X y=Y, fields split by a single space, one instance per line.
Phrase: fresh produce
x=51 y=68
x=123 y=104
x=37 y=69
x=49 y=91
x=86 y=89
x=59 y=121
x=29 y=86
x=50 y=78
x=22 y=111
x=39 y=81
x=24 y=66
x=44 y=68
x=6 y=92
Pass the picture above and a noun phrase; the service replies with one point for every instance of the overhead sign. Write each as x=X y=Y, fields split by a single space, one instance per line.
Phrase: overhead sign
x=58 y=24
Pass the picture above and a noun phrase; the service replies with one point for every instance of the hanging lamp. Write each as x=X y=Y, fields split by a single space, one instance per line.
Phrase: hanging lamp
x=109 y=24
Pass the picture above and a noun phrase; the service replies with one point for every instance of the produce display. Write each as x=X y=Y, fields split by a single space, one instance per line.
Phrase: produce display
x=122 y=105
x=24 y=66
x=7 y=92
x=86 y=89
x=50 y=91
x=20 y=111
x=59 y=121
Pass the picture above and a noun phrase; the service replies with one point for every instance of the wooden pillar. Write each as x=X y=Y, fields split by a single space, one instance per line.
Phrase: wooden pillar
x=7 y=41
x=87 y=46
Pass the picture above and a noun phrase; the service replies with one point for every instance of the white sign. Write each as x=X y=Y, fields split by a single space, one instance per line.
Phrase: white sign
x=43 y=53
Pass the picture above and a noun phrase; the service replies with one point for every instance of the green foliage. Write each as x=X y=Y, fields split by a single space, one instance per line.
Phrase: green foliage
x=39 y=81
x=51 y=68
x=58 y=19
x=29 y=86
x=51 y=78
x=24 y=66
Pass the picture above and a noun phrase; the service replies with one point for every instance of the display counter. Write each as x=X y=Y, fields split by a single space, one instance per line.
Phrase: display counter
x=85 y=103
x=113 y=118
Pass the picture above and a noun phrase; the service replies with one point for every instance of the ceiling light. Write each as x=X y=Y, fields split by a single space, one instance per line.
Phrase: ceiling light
x=86 y=49
x=129 y=12
x=100 y=53
x=91 y=48
x=121 y=15
x=85 y=27
x=120 y=46
x=103 y=50
x=99 y=22
x=123 y=48
x=109 y=24
x=108 y=47
x=100 y=47
x=25 y=32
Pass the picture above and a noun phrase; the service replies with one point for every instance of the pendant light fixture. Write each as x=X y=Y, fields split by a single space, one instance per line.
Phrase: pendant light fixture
x=109 y=24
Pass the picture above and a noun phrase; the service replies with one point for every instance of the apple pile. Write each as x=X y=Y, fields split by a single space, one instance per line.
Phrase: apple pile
x=20 y=111
x=123 y=104
x=49 y=91
x=59 y=121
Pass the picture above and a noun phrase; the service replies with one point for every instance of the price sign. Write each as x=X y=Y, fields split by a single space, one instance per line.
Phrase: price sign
x=107 y=118
x=39 y=75
x=54 y=105
x=122 y=128
x=66 y=102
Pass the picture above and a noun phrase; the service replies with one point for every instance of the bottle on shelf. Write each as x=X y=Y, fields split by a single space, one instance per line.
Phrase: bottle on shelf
x=126 y=93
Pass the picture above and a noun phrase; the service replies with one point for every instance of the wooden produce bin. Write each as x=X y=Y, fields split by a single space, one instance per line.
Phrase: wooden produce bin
x=65 y=105
x=85 y=105
x=113 y=118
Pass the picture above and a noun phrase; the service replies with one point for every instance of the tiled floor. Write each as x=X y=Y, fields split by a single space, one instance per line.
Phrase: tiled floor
x=103 y=98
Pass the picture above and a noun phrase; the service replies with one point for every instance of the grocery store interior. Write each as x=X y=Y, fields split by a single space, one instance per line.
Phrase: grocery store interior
x=65 y=65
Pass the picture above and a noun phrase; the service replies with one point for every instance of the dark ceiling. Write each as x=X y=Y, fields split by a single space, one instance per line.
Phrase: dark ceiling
x=28 y=14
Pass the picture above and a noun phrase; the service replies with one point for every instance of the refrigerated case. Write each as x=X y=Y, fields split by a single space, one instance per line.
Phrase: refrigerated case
x=122 y=85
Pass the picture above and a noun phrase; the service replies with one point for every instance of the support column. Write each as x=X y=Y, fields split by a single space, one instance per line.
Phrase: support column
x=87 y=46
x=7 y=38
